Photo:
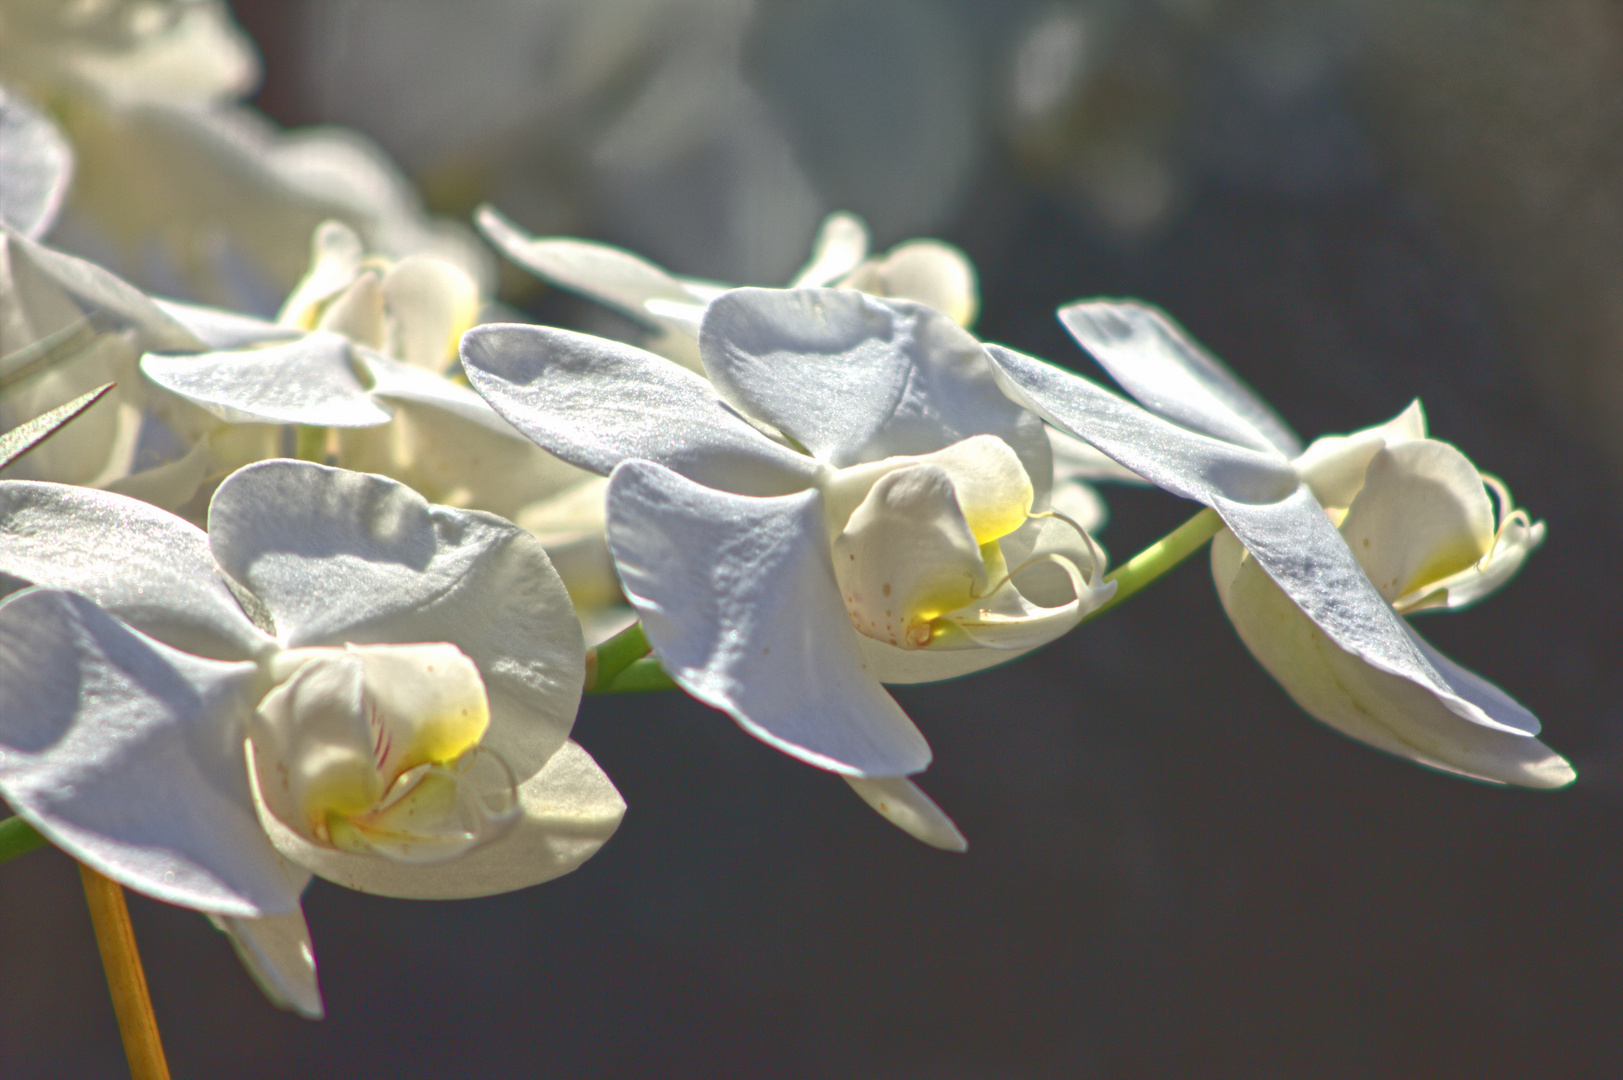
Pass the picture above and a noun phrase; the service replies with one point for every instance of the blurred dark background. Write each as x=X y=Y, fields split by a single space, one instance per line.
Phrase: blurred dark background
x=1172 y=871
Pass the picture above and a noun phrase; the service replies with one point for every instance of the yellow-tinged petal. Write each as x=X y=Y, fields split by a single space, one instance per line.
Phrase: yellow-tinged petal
x=928 y=271
x=992 y=486
x=341 y=727
x=357 y=312
x=336 y=254
x=1423 y=515
x=906 y=556
x=1334 y=465
x=431 y=303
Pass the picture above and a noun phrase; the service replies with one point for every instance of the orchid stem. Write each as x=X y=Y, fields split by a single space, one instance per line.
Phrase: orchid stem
x=1159 y=557
x=125 y=980
x=613 y=656
x=17 y=837
x=644 y=674
x=311 y=444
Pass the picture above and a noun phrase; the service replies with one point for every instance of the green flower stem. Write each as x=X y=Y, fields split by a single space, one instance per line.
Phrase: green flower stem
x=312 y=444
x=17 y=837
x=622 y=665
x=613 y=656
x=645 y=674
x=1159 y=557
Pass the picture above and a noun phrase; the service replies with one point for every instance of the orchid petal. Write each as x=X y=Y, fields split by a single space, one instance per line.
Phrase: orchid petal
x=596 y=403
x=854 y=379
x=1423 y=515
x=340 y=557
x=1295 y=543
x=458 y=457
x=336 y=255
x=1077 y=460
x=1401 y=715
x=277 y=952
x=907 y=556
x=1039 y=578
x=170 y=485
x=145 y=566
x=128 y=755
x=94 y=287
x=1158 y=363
x=220 y=329
x=738 y=597
x=310 y=380
x=901 y=802
x=570 y=809
x=840 y=247
x=1516 y=540
x=431 y=302
x=927 y=271
x=357 y=313
x=397 y=381
x=607 y=274
x=895 y=666
x=1334 y=465
x=37 y=164
x=1183 y=462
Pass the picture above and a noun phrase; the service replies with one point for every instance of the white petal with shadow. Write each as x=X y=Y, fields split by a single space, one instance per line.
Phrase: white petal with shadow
x=1401 y=715
x=309 y=380
x=1156 y=361
x=595 y=403
x=1182 y=461
x=738 y=597
x=855 y=379
x=900 y=802
x=128 y=755
x=146 y=566
x=279 y=957
x=341 y=557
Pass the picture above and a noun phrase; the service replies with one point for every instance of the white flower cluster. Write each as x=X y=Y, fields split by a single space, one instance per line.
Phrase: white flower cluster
x=223 y=671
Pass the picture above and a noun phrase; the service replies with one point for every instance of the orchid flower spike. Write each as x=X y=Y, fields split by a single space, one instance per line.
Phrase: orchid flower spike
x=1326 y=548
x=670 y=307
x=337 y=679
x=848 y=501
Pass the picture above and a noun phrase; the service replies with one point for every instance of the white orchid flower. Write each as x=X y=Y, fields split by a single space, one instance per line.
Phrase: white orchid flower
x=362 y=345
x=927 y=271
x=877 y=539
x=672 y=308
x=1320 y=608
x=337 y=679
x=66 y=327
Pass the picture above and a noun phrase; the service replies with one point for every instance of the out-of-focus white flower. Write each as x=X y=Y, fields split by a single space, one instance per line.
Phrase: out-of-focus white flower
x=700 y=132
x=928 y=271
x=36 y=167
x=337 y=679
x=179 y=188
x=874 y=536
x=1320 y=608
x=67 y=327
